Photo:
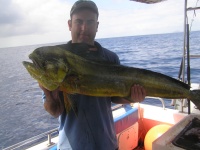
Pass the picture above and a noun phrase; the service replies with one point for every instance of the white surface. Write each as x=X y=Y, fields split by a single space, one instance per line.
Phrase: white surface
x=165 y=141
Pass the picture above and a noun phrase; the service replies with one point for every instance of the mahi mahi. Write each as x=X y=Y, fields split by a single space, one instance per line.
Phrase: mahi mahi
x=54 y=67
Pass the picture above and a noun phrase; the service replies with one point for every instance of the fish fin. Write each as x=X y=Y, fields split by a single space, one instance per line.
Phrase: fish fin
x=195 y=97
x=68 y=104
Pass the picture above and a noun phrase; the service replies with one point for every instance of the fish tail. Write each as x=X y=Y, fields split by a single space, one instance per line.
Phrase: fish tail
x=195 y=97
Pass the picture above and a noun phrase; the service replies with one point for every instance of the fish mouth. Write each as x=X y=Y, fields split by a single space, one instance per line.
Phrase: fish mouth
x=26 y=64
x=31 y=68
x=37 y=61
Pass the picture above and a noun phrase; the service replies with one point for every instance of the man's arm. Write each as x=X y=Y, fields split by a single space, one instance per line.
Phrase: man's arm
x=138 y=94
x=52 y=103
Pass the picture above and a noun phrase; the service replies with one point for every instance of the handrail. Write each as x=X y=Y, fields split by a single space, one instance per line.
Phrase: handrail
x=33 y=139
x=161 y=99
x=194 y=56
x=49 y=133
x=116 y=106
x=193 y=8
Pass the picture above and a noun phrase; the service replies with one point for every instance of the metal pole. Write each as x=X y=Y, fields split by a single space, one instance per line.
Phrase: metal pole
x=188 y=63
x=184 y=42
x=184 y=51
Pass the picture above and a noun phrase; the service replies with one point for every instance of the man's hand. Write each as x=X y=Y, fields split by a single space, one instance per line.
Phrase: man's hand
x=53 y=103
x=138 y=93
x=50 y=94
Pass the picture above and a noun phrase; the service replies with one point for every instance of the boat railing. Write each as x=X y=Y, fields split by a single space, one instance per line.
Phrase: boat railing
x=194 y=56
x=34 y=140
x=48 y=135
x=158 y=98
x=116 y=106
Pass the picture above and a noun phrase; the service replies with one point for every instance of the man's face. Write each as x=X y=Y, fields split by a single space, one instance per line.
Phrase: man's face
x=83 y=26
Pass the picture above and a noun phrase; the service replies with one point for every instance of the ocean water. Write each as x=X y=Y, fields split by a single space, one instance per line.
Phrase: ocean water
x=21 y=109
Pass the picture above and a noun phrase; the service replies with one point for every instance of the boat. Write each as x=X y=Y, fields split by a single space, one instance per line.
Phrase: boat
x=141 y=126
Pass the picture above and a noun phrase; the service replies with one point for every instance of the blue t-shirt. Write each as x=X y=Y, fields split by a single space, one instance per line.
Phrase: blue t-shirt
x=89 y=125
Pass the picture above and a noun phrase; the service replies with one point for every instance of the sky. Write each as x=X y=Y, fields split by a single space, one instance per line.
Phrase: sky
x=30 y=22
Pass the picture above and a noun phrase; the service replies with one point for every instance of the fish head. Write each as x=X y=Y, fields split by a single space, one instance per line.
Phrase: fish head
x=48 y=66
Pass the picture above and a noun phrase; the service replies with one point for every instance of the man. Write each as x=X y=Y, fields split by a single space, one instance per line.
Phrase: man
x=89 y=125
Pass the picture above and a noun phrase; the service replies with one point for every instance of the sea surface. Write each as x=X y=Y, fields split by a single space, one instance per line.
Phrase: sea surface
x=21 y=109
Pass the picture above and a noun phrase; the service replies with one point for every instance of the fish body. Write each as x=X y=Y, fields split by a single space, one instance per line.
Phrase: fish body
x=54 y=67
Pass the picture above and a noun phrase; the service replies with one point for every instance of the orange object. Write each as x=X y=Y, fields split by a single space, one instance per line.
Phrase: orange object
x=153 y=134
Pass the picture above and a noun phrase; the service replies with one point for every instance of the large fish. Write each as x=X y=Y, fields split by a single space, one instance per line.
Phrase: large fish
x=54 y=67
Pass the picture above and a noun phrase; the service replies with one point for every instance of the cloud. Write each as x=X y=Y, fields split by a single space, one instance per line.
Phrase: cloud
x=9 y=13
x=20 y=17
x=144 y=19
x=24 y=22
